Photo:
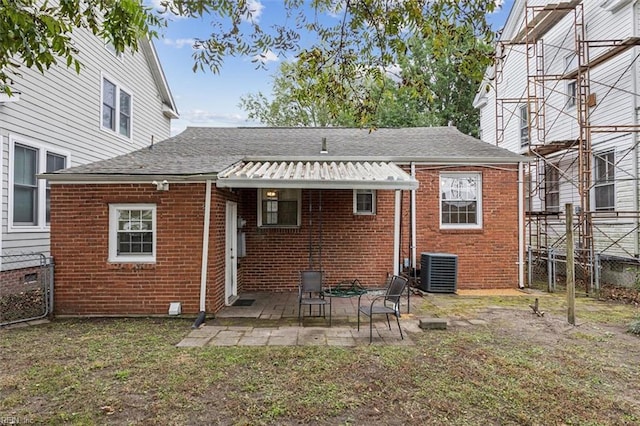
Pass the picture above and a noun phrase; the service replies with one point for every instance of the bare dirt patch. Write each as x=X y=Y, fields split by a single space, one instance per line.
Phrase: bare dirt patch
x=516 y=368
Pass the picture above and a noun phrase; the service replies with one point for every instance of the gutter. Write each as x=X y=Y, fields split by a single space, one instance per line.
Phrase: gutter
x=106 y=178
x=205 y=257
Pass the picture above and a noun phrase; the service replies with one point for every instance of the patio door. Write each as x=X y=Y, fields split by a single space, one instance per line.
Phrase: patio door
x=231 y=258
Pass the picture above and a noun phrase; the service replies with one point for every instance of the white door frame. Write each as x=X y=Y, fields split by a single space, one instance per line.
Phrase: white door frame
x=231 y=257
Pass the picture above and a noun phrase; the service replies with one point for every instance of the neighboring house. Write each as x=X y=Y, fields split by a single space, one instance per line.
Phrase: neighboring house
x=60 y=119
x=565 y=92
x=213 y=212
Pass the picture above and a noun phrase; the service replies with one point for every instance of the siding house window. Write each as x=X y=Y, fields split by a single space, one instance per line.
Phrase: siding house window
x=524 y=126
x=528 y=202
x=132 y=233
x=552 y=187
x=25 y=185
x=116 y=108
x=570 y=63
x=364 y=201
x=604 y=187
x=279 y=208
x=54 y=162
x=460 y=200
x=30 y=197
x=571 y=94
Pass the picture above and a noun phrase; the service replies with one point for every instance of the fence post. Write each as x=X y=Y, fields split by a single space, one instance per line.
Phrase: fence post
x=530 y=266
x=571 y=281
x=551 y=270
x=596 y=272
x=51 y=284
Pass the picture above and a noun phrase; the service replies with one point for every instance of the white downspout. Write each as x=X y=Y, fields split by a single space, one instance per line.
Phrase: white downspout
x=413 y=220
x=396 y=234
x=521 y=226
x=205 y=248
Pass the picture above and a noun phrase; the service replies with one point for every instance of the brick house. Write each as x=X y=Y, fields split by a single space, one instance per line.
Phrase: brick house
x=213 y=212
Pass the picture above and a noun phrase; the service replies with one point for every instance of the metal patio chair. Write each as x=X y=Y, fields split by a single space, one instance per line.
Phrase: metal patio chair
x=387 y=304
x=311 y=293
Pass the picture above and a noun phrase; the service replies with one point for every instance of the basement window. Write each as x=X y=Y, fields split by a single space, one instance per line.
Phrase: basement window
x=31 y=278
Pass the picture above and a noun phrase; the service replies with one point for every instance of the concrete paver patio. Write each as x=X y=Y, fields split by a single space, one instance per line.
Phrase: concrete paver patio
x=213 y=335
x=272 y=320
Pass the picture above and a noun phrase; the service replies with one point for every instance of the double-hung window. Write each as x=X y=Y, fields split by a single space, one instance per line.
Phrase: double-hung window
x=279 y=208
x=604 y=188
x=461 y=200
x=570 y=63
x=132 y=233
x=117 y=107
x=524 y=126
x=552 y=187
x=571 y=94
x=364 y=201
x=30 y=197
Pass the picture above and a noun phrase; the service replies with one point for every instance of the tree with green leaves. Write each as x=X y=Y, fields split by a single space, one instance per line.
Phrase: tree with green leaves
x=296 y=102
x=363 y=37
x=424 y=90
x=438 y=89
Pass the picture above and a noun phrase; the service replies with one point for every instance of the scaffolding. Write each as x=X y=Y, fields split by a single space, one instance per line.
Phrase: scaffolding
x=569 y=159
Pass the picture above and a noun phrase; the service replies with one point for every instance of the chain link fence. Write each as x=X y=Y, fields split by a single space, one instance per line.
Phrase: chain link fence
x=26 y=287
x=546 y=270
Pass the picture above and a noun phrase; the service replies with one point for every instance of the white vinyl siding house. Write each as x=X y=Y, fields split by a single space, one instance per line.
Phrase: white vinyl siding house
x=609 y=95
x=58 y=120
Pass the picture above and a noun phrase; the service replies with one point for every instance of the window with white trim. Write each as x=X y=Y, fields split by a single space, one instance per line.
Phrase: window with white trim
x=116 y=108
x=461 y=200
x=132 y=233
x=364 y=201
x=30 y=197
x=570 y=64
x=528 y=202
x=279 y=208
x=524 y=126
x=604 y=187
x=552 y=187
x=571 y=94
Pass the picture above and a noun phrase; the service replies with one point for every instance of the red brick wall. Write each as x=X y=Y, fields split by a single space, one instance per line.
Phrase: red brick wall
x=15 y=281
x=487 y=257
x=352 y=246
x=362 y=246
x=87 y=284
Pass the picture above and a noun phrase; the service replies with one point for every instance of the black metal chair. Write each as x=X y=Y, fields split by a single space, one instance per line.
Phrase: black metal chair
x=387 y=304
x=311 y=293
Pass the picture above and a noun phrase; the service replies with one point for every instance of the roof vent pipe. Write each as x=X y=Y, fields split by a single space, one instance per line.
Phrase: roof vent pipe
x=324 y=146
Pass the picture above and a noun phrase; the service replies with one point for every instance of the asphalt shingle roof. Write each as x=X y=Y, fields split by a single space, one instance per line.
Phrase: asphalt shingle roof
x=209 y=150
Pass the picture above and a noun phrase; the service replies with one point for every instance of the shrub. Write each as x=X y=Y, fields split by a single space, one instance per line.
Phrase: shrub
x=634 y=327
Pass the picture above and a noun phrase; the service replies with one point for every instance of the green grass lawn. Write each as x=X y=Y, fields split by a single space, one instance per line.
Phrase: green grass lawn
x=518 y=369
